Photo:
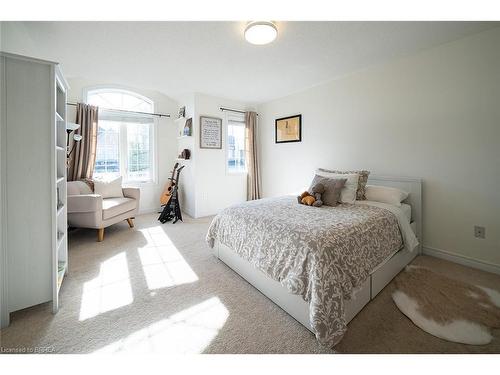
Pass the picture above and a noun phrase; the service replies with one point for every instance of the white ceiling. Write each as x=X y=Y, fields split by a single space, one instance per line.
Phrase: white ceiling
x=213 y=58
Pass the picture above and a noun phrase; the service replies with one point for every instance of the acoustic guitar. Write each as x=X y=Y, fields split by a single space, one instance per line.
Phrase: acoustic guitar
x=169 y=186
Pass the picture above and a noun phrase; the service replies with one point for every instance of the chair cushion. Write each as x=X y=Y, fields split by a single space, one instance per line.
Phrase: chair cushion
x=78 y=187
x=112 y=207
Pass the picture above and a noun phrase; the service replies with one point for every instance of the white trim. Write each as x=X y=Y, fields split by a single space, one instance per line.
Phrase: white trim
x=116 y=88
x=461 y=259
x=54 y=86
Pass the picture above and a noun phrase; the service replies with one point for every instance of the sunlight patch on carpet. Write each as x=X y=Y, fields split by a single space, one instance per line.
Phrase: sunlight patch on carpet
x=110 y=290
x=189 y=331
x=163 y=264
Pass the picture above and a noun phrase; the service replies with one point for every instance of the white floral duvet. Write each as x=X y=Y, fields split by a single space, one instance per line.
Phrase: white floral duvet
x=319 y=253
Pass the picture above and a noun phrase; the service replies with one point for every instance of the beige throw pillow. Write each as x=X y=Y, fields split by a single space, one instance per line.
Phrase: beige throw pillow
x=109 y=188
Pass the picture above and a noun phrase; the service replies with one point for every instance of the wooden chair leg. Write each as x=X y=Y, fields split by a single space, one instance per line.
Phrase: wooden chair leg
x=130 y=223
x=100 y=234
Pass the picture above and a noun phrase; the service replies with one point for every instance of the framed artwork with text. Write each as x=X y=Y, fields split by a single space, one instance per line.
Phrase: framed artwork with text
x=210 y=132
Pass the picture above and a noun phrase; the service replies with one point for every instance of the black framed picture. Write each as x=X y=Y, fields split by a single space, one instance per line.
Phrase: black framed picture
x=288 y=129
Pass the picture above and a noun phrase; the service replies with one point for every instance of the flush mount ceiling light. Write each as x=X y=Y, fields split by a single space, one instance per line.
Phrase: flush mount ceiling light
x=261 y=32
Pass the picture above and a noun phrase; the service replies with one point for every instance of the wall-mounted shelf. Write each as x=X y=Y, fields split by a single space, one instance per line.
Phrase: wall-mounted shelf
x=184 y=136
x=180 y=159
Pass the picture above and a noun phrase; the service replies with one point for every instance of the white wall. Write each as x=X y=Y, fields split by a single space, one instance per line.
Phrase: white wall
x=187 y=185
x=16 y=39
x=206 y=187
x=435 y=116
x=166 y=141
x=215 y=187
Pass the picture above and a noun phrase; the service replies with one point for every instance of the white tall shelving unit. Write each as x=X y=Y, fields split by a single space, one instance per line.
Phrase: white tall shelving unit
x=60 y=226
x=33 y=182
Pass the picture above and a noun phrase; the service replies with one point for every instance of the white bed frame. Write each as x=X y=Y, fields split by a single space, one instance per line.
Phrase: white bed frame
x=379 y=278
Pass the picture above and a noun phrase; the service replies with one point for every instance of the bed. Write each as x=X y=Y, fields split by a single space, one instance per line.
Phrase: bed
x=320 y=265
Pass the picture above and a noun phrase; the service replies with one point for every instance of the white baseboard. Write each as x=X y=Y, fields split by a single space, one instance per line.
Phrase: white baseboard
x=461 y=259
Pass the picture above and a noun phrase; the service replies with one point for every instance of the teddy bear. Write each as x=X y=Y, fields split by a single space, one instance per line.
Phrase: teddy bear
x=313 y=199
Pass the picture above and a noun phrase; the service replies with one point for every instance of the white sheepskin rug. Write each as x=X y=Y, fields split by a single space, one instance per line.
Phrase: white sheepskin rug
x=447 y=308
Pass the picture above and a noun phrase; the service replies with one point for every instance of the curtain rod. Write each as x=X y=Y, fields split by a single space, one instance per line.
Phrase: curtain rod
x=125 y=111
x=232 y=110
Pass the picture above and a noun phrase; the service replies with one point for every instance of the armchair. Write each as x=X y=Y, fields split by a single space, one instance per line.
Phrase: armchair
x=89 y=210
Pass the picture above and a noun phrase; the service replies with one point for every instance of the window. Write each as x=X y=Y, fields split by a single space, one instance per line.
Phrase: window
x=125 y=140
x=236 y=143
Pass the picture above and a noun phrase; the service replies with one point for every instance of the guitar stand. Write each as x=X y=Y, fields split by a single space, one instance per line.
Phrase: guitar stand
x=172 y=210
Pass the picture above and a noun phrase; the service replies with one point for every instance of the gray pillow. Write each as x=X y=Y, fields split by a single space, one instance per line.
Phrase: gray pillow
x=363 y=179
x=333 y=186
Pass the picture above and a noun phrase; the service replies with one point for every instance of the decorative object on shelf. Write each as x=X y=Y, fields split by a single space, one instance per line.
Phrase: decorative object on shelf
x=185 y=154
x=288 y=129
x=188 y=127
x=210 y=132
x=182 y=112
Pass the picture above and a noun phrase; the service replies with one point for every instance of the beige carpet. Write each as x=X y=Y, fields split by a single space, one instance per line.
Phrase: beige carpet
x=156 y=288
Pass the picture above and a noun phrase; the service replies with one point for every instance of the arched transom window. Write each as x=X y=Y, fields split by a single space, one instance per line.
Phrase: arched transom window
x=125 y=144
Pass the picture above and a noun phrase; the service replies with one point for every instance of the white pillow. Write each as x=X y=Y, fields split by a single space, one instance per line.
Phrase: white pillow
x=385 y=194
x=348 y=192
x=109 y=188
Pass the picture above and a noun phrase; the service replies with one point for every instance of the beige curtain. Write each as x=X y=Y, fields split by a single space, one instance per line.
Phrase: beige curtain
x=253 y=176
x=81 y=164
